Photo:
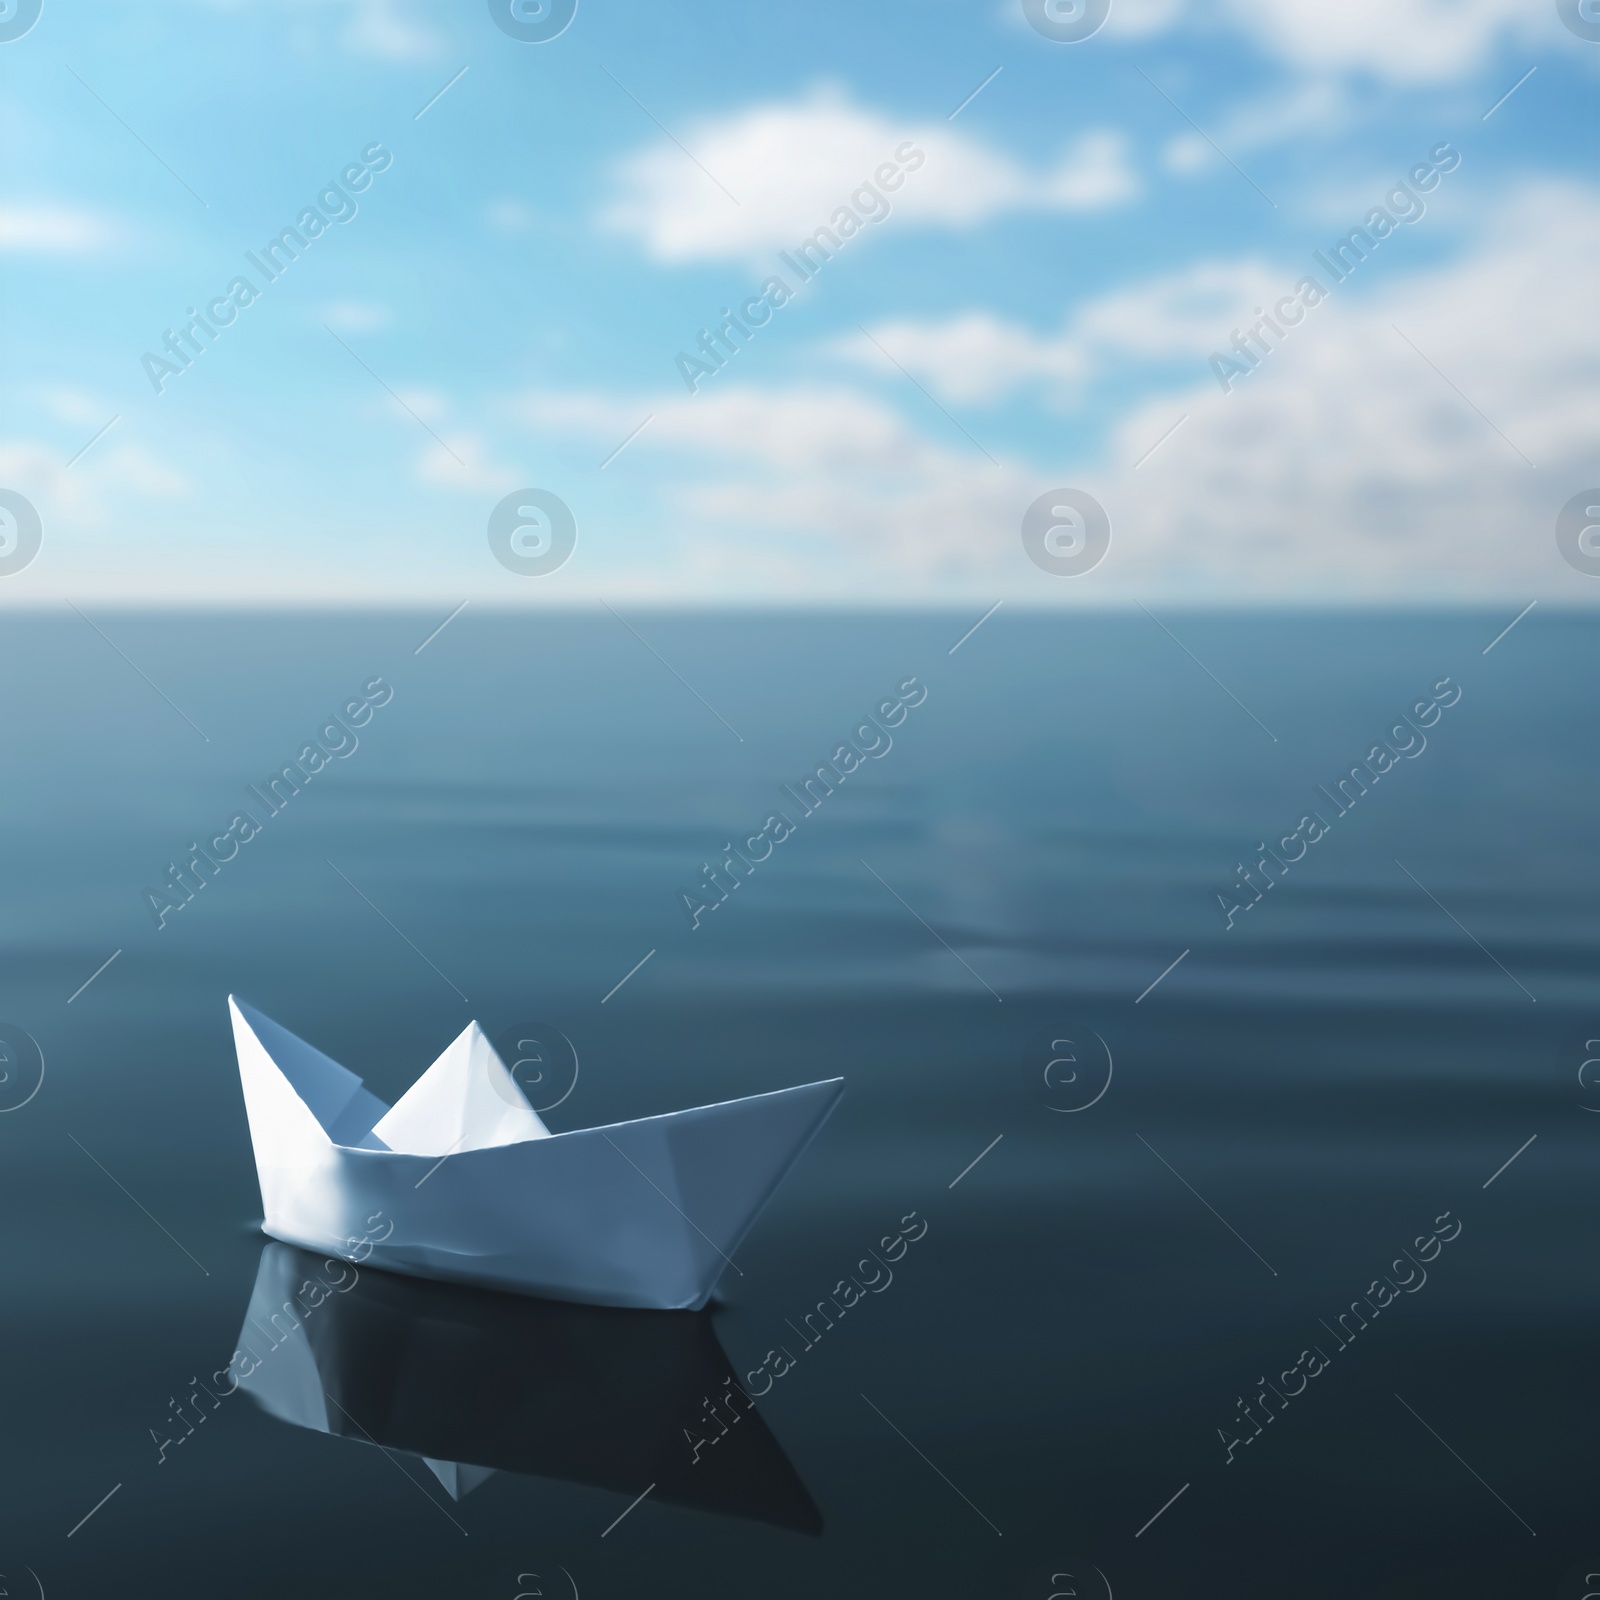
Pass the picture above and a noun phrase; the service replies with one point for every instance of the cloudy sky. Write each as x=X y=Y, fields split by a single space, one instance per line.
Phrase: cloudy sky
x=1038 y=291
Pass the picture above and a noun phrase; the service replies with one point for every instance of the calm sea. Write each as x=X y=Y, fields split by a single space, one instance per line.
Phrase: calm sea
x=1082 y=1378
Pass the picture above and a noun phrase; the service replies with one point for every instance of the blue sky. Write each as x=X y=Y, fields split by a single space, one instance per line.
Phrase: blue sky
x=1039 y=306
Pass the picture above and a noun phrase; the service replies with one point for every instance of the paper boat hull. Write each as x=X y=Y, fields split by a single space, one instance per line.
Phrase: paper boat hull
x=644 y=1214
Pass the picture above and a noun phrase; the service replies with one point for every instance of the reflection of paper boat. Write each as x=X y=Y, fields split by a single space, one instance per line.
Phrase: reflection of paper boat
x=461 y=1180
x=473 y=1382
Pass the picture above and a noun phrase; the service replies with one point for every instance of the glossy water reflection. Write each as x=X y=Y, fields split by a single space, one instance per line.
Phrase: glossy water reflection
x=475 y=1382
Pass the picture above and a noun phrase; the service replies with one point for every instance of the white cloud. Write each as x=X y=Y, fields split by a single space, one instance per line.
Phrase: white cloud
x=52 y=230
x=826 y=429
x=1345 y=467
x=1320 y=105
x=1180 y=313
x=461 y=461
x=96 y=491
x=972 y=358
x=428 y=404
x=77 y=406
x=1399 y=41
x=355 y=316
x=823 y=483
x=390 y=31
x=1137 y=19
x=761 y=180
x=511 y=216
x=977 y=357
x=458 y=458
x=133 y=468
x=1405 y=41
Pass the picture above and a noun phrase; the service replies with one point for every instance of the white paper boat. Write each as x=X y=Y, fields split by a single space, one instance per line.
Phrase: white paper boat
x=461 y=1181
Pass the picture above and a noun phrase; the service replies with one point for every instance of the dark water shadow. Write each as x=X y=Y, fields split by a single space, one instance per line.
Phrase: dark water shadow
x=475 y=1382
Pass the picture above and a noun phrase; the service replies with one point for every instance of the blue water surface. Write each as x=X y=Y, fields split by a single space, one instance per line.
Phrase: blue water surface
x=1110 y=1298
